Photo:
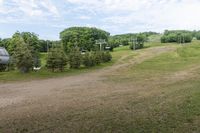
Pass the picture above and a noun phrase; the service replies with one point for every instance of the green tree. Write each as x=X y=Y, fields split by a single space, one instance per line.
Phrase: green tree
x=6 y=44
x=197 y=35
x=15 y=41
x=97 y=55
x=88 y=60
x=138 y=41
x=82 y=37
x=178 y=36
x=56 y=59
x=23 y=56
x=75 y=58
x=31 y=39
x=106 y=56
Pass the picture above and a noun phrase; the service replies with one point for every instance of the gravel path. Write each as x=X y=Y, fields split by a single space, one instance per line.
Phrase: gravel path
x=22 y=99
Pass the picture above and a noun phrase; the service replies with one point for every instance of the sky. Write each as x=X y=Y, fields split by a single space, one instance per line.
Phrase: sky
x=48 y=18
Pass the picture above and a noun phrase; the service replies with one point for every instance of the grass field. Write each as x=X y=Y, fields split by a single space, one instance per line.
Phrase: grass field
x=169 y=101
x=44 y=73
x=156 y=94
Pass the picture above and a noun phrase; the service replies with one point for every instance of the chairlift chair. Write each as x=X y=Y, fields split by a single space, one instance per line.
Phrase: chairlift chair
x=107 y=47
x=83 y=51
x=36 y=68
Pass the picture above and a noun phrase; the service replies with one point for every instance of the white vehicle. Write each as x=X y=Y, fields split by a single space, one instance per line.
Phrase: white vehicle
x=4 y=56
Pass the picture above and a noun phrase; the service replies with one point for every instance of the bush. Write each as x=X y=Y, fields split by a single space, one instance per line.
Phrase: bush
x=23 y=58
x=136 y=46
x=106 y=57
x=97 y=56
x=12 y=63
x=140 y=39
x=197 y=36
x=176 y=36
x=3 y=67
x=56 y=59
x=88 y=60
x=75 y=58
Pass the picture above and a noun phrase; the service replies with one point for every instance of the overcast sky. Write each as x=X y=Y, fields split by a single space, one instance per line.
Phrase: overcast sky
x=48 y=17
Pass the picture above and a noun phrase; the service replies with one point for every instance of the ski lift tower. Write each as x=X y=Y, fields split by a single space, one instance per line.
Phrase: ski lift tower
x=100 y=42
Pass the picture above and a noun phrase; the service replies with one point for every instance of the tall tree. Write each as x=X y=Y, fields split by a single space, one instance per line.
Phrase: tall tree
x=82 y=37
x=22 y=54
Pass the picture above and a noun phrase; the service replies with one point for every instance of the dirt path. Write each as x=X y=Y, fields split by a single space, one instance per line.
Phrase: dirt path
x=13 y=93
x=19 y=100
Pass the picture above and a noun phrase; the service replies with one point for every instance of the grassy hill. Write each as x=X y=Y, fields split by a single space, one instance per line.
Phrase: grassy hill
x=155 y=89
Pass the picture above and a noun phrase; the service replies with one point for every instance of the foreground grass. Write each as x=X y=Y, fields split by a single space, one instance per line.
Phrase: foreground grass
x=169 y=99
x=159 y=95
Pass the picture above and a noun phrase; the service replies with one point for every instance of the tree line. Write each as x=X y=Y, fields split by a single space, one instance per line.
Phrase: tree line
x=179 y=36
x=77 y=47
x=132 y=39
x=24 y=49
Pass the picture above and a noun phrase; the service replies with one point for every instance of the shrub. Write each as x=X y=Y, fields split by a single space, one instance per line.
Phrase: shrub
x=96 y=58
x=97 y=55
x=176 y=36
x=139 y=42
x=12 y=63
x=106 y=57
x=88 y=61
x=75 y=58
x=198 y=36
x=3 y=67
x=23 y=58
x=56 y=59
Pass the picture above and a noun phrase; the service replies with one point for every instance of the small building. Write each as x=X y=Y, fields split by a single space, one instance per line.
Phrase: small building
x=4 y=56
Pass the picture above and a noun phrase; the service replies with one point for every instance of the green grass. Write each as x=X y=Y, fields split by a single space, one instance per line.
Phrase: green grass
x=44 y=73
x=43 y=57
x=160 y=104
x=167 y=104
x=143 y=98
x=184 y=57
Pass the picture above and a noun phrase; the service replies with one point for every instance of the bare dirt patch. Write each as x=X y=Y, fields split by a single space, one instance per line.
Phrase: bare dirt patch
x=32 y=99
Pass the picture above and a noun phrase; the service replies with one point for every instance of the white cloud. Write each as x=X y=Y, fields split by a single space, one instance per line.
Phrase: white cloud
x=115 y=16
x=83 y=17
x=27 y=10
x=113 y=5
x=153 y=14
x=50 y=7
x=1 y=2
